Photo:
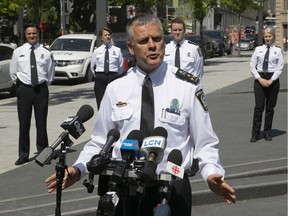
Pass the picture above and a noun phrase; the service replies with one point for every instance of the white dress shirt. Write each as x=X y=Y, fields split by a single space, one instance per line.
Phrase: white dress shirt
x=275 y=61
x=20 y=64
x=191 y=58
x=115 y=59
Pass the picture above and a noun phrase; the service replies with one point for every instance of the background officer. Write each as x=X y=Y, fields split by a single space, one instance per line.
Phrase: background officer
x=266 y=66
x=106 y=63
x=32 y=69
x=189 y=57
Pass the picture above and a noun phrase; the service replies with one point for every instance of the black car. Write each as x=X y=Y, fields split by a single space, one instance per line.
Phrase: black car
x=129 y=60
x=209 y=48
x=222 y=39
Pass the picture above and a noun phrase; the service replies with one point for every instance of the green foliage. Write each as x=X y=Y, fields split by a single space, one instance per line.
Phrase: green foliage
x=240 y=7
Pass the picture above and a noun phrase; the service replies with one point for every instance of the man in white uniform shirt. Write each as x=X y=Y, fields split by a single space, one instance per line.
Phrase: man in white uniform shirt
x=191 y=58
x=32 y=90
x=180 y=108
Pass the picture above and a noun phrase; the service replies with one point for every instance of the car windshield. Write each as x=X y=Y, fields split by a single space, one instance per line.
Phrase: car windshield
x=72 y=44
x=213 y=34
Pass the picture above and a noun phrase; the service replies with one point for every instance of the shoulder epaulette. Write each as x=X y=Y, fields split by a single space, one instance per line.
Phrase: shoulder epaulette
x=184 y=75
x=118 y=76
x=191 y=42
x=46 y=48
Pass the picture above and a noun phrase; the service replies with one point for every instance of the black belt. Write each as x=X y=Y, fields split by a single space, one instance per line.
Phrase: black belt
x=266 y=75
x=43 y=84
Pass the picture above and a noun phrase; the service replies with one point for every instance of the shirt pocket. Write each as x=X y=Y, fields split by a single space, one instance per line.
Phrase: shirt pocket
x=174 y=120
x=122 y=113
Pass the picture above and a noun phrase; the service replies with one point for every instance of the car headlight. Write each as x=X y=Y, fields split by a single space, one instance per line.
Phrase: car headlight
x=76 y=62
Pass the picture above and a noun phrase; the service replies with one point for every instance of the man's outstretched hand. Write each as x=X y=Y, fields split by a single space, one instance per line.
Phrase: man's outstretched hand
x=220 y=187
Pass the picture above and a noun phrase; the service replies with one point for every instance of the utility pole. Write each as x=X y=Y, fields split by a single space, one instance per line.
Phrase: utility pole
x=101 y=17
x=260 y=25
x=20 y=26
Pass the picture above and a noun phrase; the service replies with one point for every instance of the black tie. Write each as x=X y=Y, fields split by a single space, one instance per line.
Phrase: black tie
x=147 y=108
x=34 y=74
x=266 y=60
x=177 y=56
x=106 y=63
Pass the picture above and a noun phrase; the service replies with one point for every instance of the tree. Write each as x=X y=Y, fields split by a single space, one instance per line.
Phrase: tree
x=200 y=11
x=239 y=7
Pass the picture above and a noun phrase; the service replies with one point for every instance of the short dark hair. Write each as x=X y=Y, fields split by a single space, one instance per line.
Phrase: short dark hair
x=178 y=20
x=31 y=25
x=104 y=29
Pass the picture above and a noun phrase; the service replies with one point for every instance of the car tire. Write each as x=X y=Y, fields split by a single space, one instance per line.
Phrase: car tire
x=89 y=75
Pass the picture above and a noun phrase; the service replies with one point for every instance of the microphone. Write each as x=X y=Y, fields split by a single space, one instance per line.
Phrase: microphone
x=129 y=150
x=173 y=167
x=98 y=162
x=174 y=163
x=153 y=150
x=72 y=125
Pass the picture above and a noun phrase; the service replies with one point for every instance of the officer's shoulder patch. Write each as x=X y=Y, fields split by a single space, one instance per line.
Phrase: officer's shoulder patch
x=184 y=75
x=201 y=97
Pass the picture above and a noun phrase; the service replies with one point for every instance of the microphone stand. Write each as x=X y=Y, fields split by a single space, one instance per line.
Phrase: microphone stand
x=60 y=168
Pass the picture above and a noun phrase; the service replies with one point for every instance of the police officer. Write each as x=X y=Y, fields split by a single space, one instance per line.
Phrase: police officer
x=32 y=69
x=266 y=66
x=191 y=58
x=106 y=63
x=179 y=107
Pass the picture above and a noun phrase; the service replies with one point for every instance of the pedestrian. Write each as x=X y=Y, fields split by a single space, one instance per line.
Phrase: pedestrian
x=106 y=63
x=179 y=106
x=183 y=53
x=266 y=66
x=32 y=69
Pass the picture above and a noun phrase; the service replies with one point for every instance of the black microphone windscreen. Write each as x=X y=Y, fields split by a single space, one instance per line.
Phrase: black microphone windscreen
x=160 y=131
x=136 y=135
x=175 y=156
x=115 y=133
x=85 y=113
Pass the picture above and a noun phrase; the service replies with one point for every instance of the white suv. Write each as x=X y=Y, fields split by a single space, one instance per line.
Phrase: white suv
x=72 y=54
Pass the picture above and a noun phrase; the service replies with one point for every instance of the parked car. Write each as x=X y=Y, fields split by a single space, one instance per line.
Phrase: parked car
x=245 y=44
x=6 y=84
x=129 y=60
x=222 y=40
x=72 y=54
x=209 y=48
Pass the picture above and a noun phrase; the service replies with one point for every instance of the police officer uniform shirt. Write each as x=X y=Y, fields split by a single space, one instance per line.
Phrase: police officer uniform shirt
x=180 y=108
x=20 y=64
x=115 y=59
x=275 y=61
x=191 y=58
